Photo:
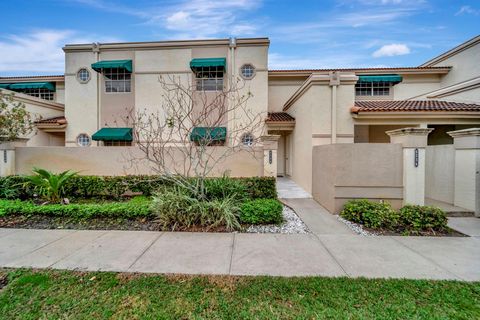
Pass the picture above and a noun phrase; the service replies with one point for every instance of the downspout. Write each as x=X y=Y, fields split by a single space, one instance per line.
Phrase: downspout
x=334 y=82
x=96 y=51
x=231 y=76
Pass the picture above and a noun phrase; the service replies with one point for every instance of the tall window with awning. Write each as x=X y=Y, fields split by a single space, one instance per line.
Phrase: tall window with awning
x=117 y=73
x=209 y=73
x=376 y=85
x=42 y=90
x=114 y=136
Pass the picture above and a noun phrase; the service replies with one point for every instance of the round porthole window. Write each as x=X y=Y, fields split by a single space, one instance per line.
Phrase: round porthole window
x=248 y=139
x=83 y=75
x=247 y=71
x=83 y=140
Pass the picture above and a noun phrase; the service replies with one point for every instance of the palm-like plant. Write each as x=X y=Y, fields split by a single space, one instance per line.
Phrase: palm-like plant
x=50 y=185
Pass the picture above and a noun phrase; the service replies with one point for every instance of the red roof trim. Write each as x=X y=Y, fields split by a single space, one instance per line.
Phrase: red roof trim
x=413 y=106
x=279 y=117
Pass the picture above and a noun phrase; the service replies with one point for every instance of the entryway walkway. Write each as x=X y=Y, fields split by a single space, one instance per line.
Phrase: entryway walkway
x=288 y=189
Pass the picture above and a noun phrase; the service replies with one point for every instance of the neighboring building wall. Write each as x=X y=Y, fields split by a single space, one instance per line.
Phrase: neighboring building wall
x=280 y=90
x=413 y=85
x=440 y=173
x=106 y=161
x=342 y=172
x=40 y=109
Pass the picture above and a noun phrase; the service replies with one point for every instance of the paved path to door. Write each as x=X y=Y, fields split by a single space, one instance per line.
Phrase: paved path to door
x=329 y=251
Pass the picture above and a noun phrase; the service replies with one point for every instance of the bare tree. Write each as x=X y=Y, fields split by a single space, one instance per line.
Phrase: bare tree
x=194 y=130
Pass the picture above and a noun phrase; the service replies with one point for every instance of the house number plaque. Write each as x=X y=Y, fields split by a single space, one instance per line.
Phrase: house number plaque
x=416 y=158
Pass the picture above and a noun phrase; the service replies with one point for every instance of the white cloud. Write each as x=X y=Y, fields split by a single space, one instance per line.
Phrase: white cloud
x=467 y=10
x=389 y=50
x=39 y=51
x=191 y=18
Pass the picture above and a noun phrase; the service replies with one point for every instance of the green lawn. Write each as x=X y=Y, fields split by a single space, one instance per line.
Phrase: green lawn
x=70 y=295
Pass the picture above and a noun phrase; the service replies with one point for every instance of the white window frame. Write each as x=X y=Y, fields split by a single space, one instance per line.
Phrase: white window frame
x=209 y=78
x=41 y=93
x=373 y=89
x=248 y=139
x=253 y=71
x=120 y=77
x=88 y=72
x=85 y=135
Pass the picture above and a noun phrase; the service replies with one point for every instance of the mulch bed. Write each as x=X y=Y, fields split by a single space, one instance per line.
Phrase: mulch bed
x=46 y=222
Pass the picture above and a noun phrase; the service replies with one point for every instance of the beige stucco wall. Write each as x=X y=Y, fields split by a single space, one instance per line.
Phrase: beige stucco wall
x=356 y=171
x=117 y=161
x=464 y=65
x=80 y=98
x=413 y=85
x=280 y=90
x=440 y=173
x=40 y=109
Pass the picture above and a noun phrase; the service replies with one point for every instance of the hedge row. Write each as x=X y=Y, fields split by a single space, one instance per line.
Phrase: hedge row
x=130 y=209
x=113 y=187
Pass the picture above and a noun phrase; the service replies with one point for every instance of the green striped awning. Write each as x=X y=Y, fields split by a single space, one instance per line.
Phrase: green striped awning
x=113 y=134
x=208 y=134
x=4 y=85
x=208 y=62
x=381 y=78
x=109 y=64
x=32 y=85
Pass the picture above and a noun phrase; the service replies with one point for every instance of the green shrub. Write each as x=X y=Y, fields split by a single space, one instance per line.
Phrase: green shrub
x=49 y=185
x=225 y=187
x=261 y=211
x=176 y=209
x=136 y=208
x=113 y=187
x=422 y=218
x=374 y=215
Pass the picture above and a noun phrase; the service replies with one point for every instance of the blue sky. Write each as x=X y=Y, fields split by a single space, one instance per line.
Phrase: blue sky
x=303 y=34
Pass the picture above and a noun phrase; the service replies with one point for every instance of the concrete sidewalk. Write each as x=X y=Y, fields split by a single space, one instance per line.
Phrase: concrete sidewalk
x=243 y=254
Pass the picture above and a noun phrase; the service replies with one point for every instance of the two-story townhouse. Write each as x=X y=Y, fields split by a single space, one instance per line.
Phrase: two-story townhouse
x=304 y=107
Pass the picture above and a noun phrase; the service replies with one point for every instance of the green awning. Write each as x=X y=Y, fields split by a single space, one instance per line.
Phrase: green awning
x=208 y=134
x=113 y=134
x=32 y=85
x=4 y=85
x=208 y=62
x=108 y=64
x=381 y=78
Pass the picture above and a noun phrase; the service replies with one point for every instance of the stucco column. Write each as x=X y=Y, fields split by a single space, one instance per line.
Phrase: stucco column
x=7 y=156
x=270 y=146
x=467 y=169
x=414 y=142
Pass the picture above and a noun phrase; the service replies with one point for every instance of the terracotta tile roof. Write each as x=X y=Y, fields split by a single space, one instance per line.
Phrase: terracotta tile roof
x=279 y=117
x=55 y=120
x=32 y=77
x=413 y=106
x=362 y=69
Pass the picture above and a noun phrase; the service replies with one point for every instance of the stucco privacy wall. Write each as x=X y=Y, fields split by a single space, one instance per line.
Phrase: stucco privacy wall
x=440 y=173
x=106 y=161
x=357 y=171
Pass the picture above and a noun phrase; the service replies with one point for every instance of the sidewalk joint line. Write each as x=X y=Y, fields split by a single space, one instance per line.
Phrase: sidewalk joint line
x=331 y=255
x=76 y=251
x=231 y=255
x=428 y=259
x=41 y=247
x=145 y=250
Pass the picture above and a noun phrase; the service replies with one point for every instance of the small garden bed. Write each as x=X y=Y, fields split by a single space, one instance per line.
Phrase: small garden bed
x=69 y=201
x=379 y=219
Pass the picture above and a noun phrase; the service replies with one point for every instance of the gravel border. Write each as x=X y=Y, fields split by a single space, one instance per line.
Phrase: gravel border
x=292 y=224
x=357 y=228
